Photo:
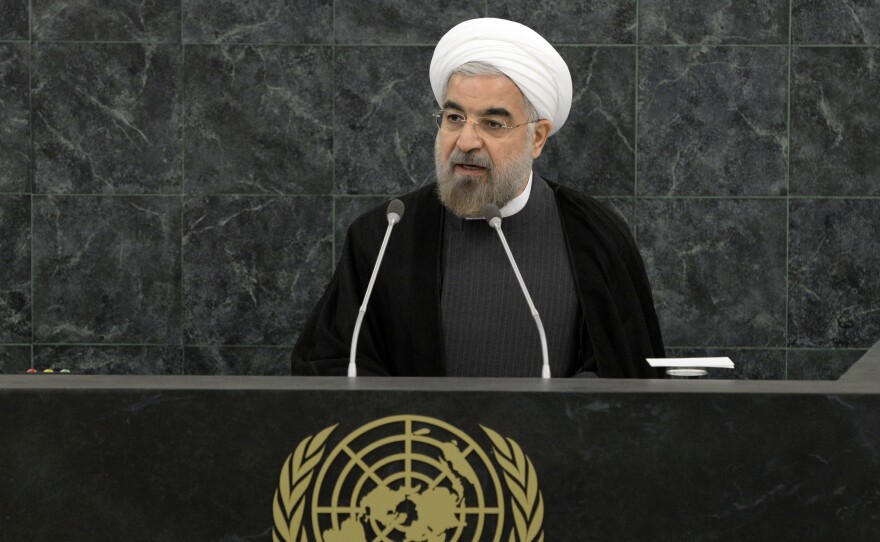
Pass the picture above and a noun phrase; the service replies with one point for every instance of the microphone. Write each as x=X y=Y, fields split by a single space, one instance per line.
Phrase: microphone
x=492 y=214
x=393 y=214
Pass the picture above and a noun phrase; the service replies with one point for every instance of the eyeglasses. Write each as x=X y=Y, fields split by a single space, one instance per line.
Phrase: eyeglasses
x=454 y=122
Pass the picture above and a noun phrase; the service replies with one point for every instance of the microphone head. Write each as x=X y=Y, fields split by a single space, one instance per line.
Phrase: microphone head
x=395 y=211
x=492 y=214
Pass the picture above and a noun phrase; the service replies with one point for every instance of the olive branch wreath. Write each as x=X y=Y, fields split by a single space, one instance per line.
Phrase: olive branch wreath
x=289 y=504
x=522 y=482
x=296 y=476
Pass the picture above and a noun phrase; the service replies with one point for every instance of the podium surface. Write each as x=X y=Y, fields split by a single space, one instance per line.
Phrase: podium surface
x=244 y=458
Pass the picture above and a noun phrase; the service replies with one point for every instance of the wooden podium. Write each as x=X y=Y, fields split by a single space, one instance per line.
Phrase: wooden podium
x=226 y=459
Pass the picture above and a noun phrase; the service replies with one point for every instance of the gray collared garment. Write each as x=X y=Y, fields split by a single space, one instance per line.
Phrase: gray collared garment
x=487 y=327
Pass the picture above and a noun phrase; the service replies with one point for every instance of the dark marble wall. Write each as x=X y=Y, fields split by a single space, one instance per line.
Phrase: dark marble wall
x=176 y=175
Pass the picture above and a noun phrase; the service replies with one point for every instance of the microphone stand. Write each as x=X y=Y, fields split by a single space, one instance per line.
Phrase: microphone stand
x=493 y=216
x=394 y=213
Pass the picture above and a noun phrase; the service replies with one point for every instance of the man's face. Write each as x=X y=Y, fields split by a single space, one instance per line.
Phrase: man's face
x=475 y=168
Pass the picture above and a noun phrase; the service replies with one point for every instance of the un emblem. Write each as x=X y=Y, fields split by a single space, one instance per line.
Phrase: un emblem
x=407 y=479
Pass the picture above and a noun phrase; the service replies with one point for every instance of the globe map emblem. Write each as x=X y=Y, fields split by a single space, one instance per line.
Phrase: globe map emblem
x=407 y=478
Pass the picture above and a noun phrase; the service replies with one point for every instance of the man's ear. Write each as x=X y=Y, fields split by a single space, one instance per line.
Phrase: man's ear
x=542 y=132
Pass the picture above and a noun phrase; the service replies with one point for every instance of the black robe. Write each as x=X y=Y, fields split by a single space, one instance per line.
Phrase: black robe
x=402 y=333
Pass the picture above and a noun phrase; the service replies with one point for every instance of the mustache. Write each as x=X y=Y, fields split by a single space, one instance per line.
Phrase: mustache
x=469 y=158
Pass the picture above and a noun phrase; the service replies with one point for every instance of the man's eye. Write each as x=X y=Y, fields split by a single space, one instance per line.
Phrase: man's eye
x=492 y=124
x=455 y=118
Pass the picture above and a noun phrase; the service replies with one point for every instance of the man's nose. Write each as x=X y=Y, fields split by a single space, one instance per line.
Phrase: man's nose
x=470 y=138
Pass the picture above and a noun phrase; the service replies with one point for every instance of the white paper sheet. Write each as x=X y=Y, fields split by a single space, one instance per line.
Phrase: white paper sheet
x=721 y=363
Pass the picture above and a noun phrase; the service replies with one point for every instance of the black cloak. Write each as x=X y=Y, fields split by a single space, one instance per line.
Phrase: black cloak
x=402 y=333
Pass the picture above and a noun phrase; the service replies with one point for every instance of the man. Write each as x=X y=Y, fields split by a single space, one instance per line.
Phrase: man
x=446 y=301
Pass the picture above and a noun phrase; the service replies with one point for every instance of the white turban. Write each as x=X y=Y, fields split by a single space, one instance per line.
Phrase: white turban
x=518 y=52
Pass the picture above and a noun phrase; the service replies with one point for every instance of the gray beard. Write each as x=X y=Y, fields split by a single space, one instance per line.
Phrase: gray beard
x=466 y=196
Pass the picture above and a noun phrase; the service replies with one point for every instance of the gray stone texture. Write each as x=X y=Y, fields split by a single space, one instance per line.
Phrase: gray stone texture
x=110 y=360
x=251 y=361
x=14 y=112
x=177 y=176
x=258 y=119
x=384 y=133
x=712 y=121
x=15 y=359
x=834 y=257
x=595 y=150
x=599 y=21
x=835 y=22
x=821 y=364
x=713 y=22
x=107 y=269
x=717 y=267
x=835 y=121
x=399 y=22
x=106 y=118
x=15 y=272
x=13 y=19
x=257 y=21
x=253 y=267
x=106 y=20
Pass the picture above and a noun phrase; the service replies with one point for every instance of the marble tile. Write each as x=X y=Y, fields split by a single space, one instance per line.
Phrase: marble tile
x=835 y=121
x=110 y=359
x=835 y=22
x=106 y=20
x=347 y=209
x=820 y=364
x=597 y=21
x=14 y=359
x=384 y=133
x=258 y=21
x=594 y=150
x=13 y=19
x=254 y=266
x=258 y=119
x=717 y=269
x=106 y=118
x=14 y=123
x=399 y=22
x=107 y=269
x=834 y=254
x=713 y=21
x=712 y=121
x=252 y=361
x=15 y=273
x=748 y=364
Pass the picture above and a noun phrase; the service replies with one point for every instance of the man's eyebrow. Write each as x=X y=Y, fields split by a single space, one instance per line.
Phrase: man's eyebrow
x=492 y=111
x=497 y=112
